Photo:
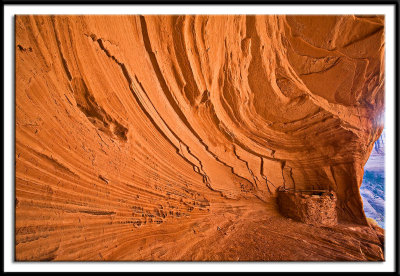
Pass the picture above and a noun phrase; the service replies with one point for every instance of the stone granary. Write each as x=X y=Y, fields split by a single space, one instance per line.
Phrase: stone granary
x=317 y=207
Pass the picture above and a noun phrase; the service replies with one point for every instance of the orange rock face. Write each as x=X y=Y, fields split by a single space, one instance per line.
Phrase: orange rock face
x=166 y=137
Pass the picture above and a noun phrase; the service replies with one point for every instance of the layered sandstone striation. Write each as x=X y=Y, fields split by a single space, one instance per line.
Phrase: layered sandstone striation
x=160 y=137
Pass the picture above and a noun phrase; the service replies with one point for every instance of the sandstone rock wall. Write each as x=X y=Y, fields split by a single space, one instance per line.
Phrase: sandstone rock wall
x=126 y=124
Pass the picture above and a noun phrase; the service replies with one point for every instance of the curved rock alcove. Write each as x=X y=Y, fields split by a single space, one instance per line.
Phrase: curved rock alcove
x=158 y=137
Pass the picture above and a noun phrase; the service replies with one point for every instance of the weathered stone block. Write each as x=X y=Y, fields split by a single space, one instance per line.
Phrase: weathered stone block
x=310 y=208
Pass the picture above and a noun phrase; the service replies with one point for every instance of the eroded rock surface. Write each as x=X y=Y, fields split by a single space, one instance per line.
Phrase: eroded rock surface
x=158 y=137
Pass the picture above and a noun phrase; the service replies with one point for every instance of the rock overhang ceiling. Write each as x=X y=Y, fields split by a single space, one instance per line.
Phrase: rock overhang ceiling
x=193 y=110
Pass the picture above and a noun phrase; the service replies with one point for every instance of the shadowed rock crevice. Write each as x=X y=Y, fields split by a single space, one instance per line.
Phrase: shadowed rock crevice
x=95 y=114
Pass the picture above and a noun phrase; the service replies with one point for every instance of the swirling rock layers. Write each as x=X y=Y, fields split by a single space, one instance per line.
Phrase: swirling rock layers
x=157 y=137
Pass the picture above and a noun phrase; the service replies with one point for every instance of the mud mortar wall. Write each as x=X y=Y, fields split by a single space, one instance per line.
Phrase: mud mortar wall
x=310 y=209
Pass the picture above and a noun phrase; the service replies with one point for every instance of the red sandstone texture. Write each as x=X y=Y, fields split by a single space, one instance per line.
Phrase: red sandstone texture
x=166 y=137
